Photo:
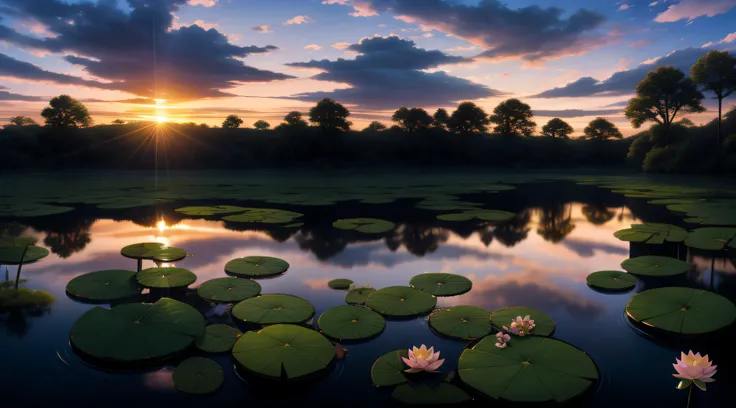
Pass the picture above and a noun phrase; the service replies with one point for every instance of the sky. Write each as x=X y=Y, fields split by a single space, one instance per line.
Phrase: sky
x=201 y=60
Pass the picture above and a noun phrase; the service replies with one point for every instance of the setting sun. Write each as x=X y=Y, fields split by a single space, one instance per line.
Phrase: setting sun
x=161 y=119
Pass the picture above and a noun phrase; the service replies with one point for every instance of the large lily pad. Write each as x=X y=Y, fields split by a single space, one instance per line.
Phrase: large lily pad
x=401 y=301
x=364 y=225
x=144 y=250
x=198 y=375
x=652 y=233
x=137 y=332
x=104 y=286
x=210 y=210
x=655 y=266
x=715 y=212
x=424 y=394
x=11 y=255
x=389 y=369
x=291 y=350
x=160 y=278
x=168 y=254
x=274 y=309
x=350 y=323
x=532 y=369
x=611 y=280
x=464 y=322
x=339 y=284
x=265 y=216
x=441 y=284
x=712 y=239
x=218 y=338
x=256 y=266
x=479 y=214
x=358 y=296
x=681 y=310
x=228 y=289
x=544 y=325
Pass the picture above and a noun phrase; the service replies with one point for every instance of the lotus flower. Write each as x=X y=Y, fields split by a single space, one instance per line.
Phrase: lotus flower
x=521 y=327
x=420 y=359
x=694 y=368
x=502 y=339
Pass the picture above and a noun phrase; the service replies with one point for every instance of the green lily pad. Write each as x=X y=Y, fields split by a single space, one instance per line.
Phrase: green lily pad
x=715 y=212
x=104 y=286
x=160 y=278
x=364 y=225
x=169 y=254
x=423 y=394
x=652 y=233
x=531 y=369
x=210 y=210
x=137 y=332
x=401 y=301
x=292 y=350
x=483 y=215
x=17 y=241
x=544 y=325
x=274 y=309
x=256 y=266
x=218 y=338
x=228 y=289
x=22 y=299
x=265 y=216
x=611 y=280
x=339 y=283
x=441 y=284
x=11 y=255
x=144 y=250
x=655 y=266
x=389 y=369
x=358 y=296
x=350 y=323
x=681 y=310
x=464 y=322
x=197 y=375
x=712 y=239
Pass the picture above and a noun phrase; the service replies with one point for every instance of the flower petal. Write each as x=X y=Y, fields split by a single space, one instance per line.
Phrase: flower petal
x=414 y=370
x=435 y=365
x=411 y=363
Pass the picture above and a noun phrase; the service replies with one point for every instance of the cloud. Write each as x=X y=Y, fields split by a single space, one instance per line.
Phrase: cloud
x=706 y=45
x=624 y=7
x=692 y=9
x=654 y=3
x=118 y=46
x=9 y=96
x=341 y=45
x=205 y=3
x=575 y=113
x=300 y=20
x=262 y=28
x=363 y=8
x=313 y=47
x=13 y=68
x=640 y=43
x=206 y=26
x=530 y=33
x=461 y=48
x=390 y=72
x=729 y=38
x=586 y=249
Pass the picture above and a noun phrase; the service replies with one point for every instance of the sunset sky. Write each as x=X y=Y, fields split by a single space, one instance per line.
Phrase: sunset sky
x=200 y=60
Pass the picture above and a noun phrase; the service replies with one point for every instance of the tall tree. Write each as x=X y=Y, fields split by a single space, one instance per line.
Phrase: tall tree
x=557 y=129
x=22 y=121
x=660 y=96
x=513 y=117
x=330 y=116
x=118 y=122
x=602 y=129
x=294 y=119
x=716 y=72
x=65 y=111
x=374 y=127
x=412 y=120
x=441 y=117
x=262 y=125
x=232 y=122
x=468 y=118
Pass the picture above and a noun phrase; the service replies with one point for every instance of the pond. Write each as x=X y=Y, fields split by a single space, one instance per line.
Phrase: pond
x=561 y=229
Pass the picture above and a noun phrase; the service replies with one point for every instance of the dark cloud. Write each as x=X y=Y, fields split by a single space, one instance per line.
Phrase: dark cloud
x=139 y=51
x=575 y=113
x=587 y=249
x=11 y=67
x=389 y=72
x=9 y=96
x=531 y=33
x=618 y=104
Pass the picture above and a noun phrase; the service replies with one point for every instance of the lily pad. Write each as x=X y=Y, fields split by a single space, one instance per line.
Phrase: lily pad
x=210 y=210
x=169 y=254
x=532 y=369
x=11 y=255
x=339 y=283
x=104 y=286
x=389 y=369
x=464 y=322
x=715 y=212
x=265 y=216
x=483 y=215
x=441 y=284
x=218 y=338
x=274 y=309
x=611 y=280
x=364 y=225
x=655 y=266
x=712 y=239
x=291 y=350
x=228 y=289
x=160 y=278
x=198 y=375
x=681 y=310
x=22 y=299
x=424 y=394
x=350 y=323
x=652 y=233
x=401 y=301
x=144 y=250
x=137 y=332
x=256 y=266
x=358 y=296
x=544 y=325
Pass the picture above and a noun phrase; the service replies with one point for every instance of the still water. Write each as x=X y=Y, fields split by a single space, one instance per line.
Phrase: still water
x=562 y=232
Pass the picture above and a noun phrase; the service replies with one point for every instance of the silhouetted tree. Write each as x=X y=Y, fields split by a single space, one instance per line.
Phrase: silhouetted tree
x=441 y=117
x=716 y=72
x=65 y=111
x=601 y=129
x=663 y=94
x=557 y=128
x=513 y=117
x=294 y=119
x=232 y=122
x=412 y=120
x=468 y=118
x=597 y=214
x=374 y=127
x=22 y=121
x=118 y=122
x=261 y=125
x=330 y=116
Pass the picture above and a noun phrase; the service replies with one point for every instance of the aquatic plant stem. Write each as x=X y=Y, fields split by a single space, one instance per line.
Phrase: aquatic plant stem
x=689 y=393
x=20 y=266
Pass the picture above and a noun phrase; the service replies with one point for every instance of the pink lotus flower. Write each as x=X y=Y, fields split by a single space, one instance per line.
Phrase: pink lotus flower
x=502 y=339
x=521 y=327
x=694 y=368
x=421 y=359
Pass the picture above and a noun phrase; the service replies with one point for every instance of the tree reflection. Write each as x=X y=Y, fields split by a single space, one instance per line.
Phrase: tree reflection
x=70 y=239
x=323 y=244
x=418 y=240
x=597 y=214
x=512 y=232
x=555 y=222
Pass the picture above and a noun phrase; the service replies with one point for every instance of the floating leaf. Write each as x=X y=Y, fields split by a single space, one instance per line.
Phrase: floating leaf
x=423 y=394
x=350 y=323
x=197 y=375
x=465 y=322
x=441 y=284
x=144 y=250
x=652 y=233
x=218 y=338
x=104 y=286
x=712 y=239
x=168 y=254
x=655 y=266
x=389 y=369
x=715 y=212
x=273 y=309
x=228 y=290
x=22 y=299
x=11 y=255
x=339 y=283
x=611 y=280
x=160 y=278
x=256 y=266
x=364 y=225
x=265 y=216
x=543 y=323
x=401 y=301
x=210 y=210
x=358 y=296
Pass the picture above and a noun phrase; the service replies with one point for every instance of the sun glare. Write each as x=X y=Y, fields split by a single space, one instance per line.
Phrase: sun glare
x=161 y=119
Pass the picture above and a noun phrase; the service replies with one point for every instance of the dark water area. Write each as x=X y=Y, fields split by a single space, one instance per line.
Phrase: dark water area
x=562 y=231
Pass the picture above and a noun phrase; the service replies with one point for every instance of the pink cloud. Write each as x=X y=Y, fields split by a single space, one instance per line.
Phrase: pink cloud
x=624 y=7
x=206 y=26
x=692 y=9
x=362 y=8
x=205 y=3
x=300 y=20
x=313 y=47
x=729 y=38
x=640 y=43
x=341 y=45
